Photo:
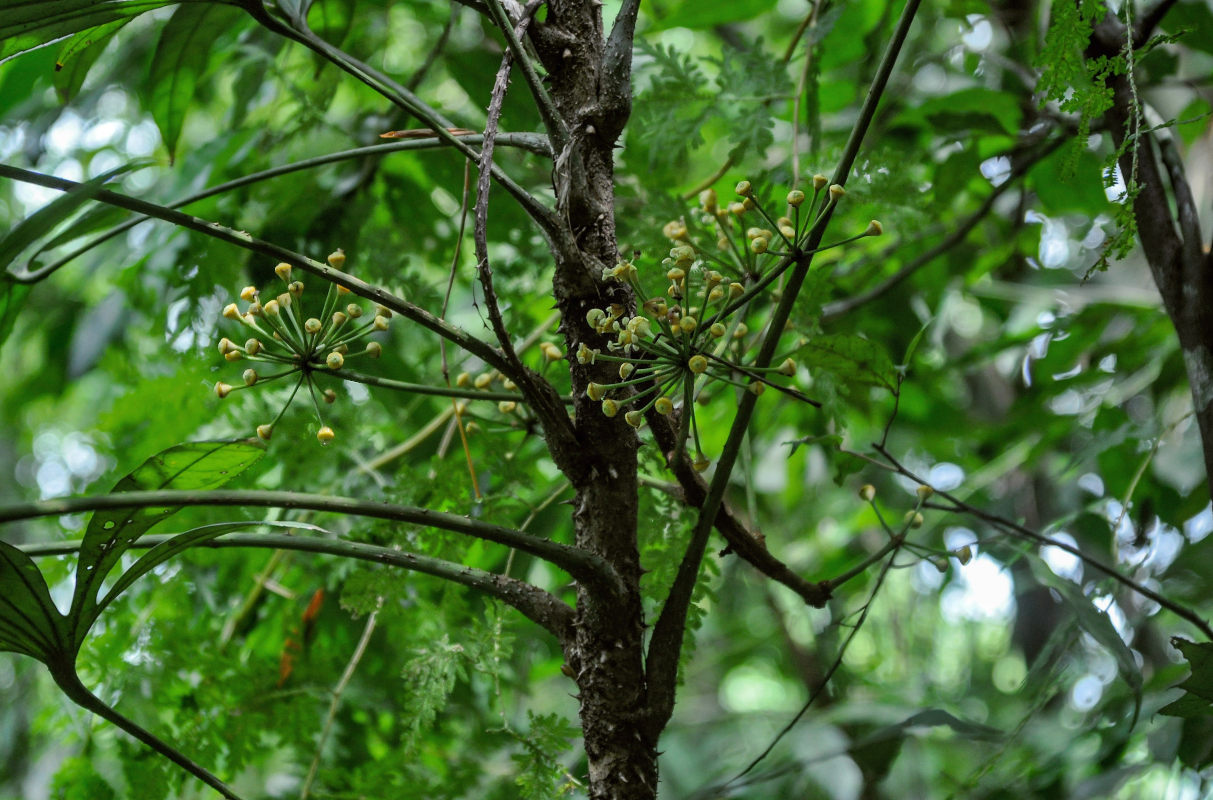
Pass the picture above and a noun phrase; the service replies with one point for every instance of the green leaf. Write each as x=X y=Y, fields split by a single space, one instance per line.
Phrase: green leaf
x=79 y=54
x=29 y=622
x=1198 y=687
x=698 y=15
x=182 y=57
x=194 y=466
x=968 y=109
x=12 y=295
x=851 y=358
x=31 y=24
x=1096 y=623
x=182 y=542
x=44 y=220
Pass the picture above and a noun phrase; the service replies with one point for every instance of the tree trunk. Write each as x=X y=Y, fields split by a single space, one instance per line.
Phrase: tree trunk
x=590 y=87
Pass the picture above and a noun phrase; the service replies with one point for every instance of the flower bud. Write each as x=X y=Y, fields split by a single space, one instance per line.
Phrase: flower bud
x=296 y=288
x=336 y=258
x=231 y=311
x=463 y=379
x=626 y=369
x=634 y=418
x=867 y=492
x=836 y=191
x=283 y=270
x=325 y=435
x=788 y=367
x=312 y=325
x=330 y=396
x=508 y=384
x=687 y=324
x=254 y=309
x=702 y=463
x=718 y=329
x=250 y=377
x=819 y=181
x=757 y=388
x=383 y=311
x=759 y=246
x=284 y=300
x=343 y=349
x=233 y=355
x=594 y=317
x=595 y=391
x=697 y=364
x=940 y=564
x=471 y=428
x=609 y=407
x=742 y=330
x=221 y=389
x=664 y=406
x=913 y=519
x=716 y=294
x=339 y=319
x=381 y=323
x=923 y=491
x=354 y=311
x=787 y=232
x=252 y=346
x=744 y=189
x=272 y=309
x=335 y=360
x=483 y=380
x=675 y=230
x=507 y=406
x=874 y=228
x=265 y=431
x=226 y=346
x=963 y=554
x=374 y=349
x=248 y=293
x=550 y=351
x=795 y=198
x=707 y=200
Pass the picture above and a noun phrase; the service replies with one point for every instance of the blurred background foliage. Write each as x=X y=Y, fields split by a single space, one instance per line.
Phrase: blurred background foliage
x=1035 y=392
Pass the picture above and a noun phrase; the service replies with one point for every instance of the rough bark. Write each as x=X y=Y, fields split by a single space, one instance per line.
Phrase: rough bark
x=590 y=87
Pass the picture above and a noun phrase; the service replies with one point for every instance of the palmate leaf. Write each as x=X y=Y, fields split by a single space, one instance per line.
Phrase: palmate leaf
x=850 y=358
x=29 y=622
x=194 y=466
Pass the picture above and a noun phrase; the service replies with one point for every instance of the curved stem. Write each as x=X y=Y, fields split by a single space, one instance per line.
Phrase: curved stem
x=79 y=694
x=422 y=388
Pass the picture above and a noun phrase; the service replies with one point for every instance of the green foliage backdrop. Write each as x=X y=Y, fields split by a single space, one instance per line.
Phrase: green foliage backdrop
x=1016 y=317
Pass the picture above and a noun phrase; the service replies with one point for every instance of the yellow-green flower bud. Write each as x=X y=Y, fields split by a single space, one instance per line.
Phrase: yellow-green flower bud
x=231 y=311
x=609 y=407
x=296 y=288
x=343 y=349
x=283 y=270
x=374 y=349
x=759 y=246
x=744 y=189
x=335 y=360
x=254 y=309
x=336 y=258
x=594 y=317
x=757 y=388
x=325 y=435
x=265 y=431
x=836 y=191
x=867 y=492
x=483 y=380
x=964 y=554
x=707 y=200
x=675 y=230
x=312 y=325
x=272 y=309
x=913 y=519
x=284 y=300
x=508 y=384
x=664 y=406
x=233 y=355
x=250 y=377
x=226 y=346
x=795 y=198
x=550 y=351
x=787 y=231
x=248 y=294
x=702 y=463
x=221 y=389
x=471 y=428
x=819 y=181
x=595 y=391
x=383 y=311
x=626 y=369
x=718 y=329
x=463 y=379
x=252 y=347
x=354 y=311
x=330 y=396
x=874 y=228
x=634 y=418
x=339 y=319
x=381 y=323
x=697 y=364
x=788 y=367
x=716 y=295
x=507 y=406
x=923 y=491
x=742 y=330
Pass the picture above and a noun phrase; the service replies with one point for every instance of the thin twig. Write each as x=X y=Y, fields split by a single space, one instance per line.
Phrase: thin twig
x=558 y=131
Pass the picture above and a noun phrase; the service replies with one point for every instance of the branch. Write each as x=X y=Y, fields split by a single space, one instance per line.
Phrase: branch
x=539 y=606
x=423 y=388
x=466 y=341
x=558 y=131
x=666 y=643
x=741 y=540
x=1185 y=205
x=1015 y=528
x=615 y=76
x=839 y=308
x=1146 y=25
x=533 y=142
x=583 y=566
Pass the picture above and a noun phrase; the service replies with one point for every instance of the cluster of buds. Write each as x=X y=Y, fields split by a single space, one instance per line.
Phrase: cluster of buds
x=284 y=336
x=692 y=333
x=913 y=519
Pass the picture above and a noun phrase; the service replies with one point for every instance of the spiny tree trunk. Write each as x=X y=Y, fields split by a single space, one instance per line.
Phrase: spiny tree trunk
x=590 y=86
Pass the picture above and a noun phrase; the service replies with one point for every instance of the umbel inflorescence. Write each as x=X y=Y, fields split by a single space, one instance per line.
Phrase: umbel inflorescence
x=692 y=333
x=289 y=341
